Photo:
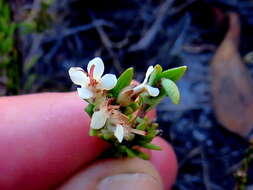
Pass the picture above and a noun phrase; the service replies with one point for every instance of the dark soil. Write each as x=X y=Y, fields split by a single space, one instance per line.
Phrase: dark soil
x=148 y=32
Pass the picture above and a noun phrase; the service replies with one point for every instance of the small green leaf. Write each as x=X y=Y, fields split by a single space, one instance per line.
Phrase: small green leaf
x=151 y=146
x=171 y=90
x=155 y=76
x=130 y=153
x=174 y=74
x=125 y=150
x=141 y=154
x=106 y=136
x=11 y=29
x=7 y=45
x=134 y=106
x=3 y=24
x=89 y=109
x=93 y=132
x=6 y=12
x=1 y=4
x=123 y=81
x=142 y=126
x=151 y=102
x=128 y=110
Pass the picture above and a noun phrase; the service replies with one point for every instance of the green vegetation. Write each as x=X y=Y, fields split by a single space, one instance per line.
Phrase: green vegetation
x=9 y=67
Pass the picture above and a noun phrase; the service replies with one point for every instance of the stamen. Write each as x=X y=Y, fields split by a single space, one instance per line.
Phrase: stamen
x=91 y=74
x=93 y=81
x=111 y=107
x=139 y=132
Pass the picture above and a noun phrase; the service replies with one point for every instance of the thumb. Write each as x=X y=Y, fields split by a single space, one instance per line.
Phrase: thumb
x=116 y=174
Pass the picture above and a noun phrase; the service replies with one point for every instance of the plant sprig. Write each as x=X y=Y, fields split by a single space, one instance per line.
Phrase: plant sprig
x=118 y=109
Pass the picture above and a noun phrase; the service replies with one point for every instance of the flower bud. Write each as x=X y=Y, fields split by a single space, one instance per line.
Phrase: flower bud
x=125 y=96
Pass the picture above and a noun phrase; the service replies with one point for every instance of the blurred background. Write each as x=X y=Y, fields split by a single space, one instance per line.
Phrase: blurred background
x=210 y=129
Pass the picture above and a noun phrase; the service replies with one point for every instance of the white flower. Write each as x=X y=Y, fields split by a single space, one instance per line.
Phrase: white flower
x=99 y=119
x=119 y=133
x=113 y=120
x=93 y=80
x=152 y=91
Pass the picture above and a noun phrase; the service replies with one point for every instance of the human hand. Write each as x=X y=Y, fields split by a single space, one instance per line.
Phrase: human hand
x=44 y=144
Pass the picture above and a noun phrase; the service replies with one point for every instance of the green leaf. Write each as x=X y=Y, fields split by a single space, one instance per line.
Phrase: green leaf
x=153 y=101
x=134 y=106
x=89 y=109
x=1 y=4
x=142 y=126
x=174 y=74
x=128 y=110
x=151 y=146
x=93 y=132
x=6 y=60
x=141 y=154
x=123 y=81
x=3 y=25
x=155 y=76
x=6 y=12
x=106 y=136
x=130 y=153
x=7 y=45
x=171 y=90
x=11 y=29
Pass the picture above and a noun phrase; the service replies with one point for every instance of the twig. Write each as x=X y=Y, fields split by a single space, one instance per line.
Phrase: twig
x=86 y=27
x=34 y=10
x=35 y=46
x=206 y=176
x=192 y=153
x=178 y=41
x=241 y=174
x=108 y=45
x=234 y=167
x=53 y=51
x=180 y=8
x=150 y=35
x=78 y=29
x=199 y=48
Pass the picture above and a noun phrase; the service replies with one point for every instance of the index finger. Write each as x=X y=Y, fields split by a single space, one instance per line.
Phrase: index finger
x=43 y=139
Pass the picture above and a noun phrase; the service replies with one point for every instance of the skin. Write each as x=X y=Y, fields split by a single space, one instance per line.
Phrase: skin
x=44 y=144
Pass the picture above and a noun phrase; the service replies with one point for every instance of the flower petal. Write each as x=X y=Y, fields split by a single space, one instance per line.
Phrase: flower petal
x=119 y=133
x=138 y=88
x=148 y=73
x=152 y=91
x=98 y=67
x=98 y=119
x=78 y=76
x=84 y=93
x=108 y=81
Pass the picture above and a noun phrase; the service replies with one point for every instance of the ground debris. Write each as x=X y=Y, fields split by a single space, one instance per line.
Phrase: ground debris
x=232 y=86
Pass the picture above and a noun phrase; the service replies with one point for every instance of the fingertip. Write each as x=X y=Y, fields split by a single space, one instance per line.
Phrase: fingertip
x=165 y=162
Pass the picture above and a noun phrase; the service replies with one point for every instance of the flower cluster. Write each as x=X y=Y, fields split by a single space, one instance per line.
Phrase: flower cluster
x=118 y=108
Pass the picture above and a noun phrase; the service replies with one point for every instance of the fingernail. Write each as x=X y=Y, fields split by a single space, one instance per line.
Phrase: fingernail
x=137 y=181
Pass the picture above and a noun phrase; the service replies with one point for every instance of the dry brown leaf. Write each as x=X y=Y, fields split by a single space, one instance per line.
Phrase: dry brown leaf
x=232 y=85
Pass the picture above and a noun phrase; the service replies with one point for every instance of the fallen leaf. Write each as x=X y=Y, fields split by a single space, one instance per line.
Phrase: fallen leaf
x=232 y=85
